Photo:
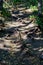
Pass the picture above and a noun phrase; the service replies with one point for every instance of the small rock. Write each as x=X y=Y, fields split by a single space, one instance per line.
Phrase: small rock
x=7 y=46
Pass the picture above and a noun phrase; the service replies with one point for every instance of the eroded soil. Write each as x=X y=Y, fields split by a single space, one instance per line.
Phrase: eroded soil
x=21 y=42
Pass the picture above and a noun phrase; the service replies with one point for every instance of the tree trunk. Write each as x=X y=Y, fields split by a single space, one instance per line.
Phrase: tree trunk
x=1 y=4
x=1 y=18
x=39 y=7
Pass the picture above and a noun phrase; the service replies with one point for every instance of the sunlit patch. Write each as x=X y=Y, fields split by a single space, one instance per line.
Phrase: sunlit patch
x=40 y=49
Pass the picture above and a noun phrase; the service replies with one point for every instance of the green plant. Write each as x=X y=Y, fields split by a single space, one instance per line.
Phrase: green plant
x=5 y=13
x=33 y=8
x=39 y=22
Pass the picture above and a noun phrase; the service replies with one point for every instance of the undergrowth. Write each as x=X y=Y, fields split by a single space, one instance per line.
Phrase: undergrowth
x=39 y=21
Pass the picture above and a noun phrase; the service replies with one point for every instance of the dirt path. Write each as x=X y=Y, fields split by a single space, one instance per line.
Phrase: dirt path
x=20 y=32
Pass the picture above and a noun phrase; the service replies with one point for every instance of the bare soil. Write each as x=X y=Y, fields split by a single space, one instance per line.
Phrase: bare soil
x=21 y=42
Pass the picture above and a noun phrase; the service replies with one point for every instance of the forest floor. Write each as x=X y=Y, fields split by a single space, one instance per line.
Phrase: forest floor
x=22 y=41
